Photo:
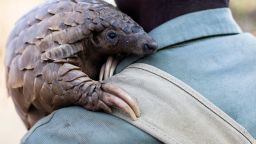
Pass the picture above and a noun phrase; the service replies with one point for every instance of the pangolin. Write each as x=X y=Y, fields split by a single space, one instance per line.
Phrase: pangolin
x=55 y=52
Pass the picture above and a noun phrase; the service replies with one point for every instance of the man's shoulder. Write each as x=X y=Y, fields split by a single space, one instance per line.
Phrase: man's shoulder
x=244 y=38
x=245 y=42
x=241 y=40
x=78 y=125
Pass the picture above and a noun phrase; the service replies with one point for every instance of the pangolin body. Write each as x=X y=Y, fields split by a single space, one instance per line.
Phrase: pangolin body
x=57 y=47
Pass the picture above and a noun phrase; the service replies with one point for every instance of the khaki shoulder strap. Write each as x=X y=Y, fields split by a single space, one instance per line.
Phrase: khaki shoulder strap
x=175 y=113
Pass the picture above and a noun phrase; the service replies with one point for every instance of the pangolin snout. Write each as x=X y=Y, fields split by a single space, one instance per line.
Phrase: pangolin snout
x=149 y=48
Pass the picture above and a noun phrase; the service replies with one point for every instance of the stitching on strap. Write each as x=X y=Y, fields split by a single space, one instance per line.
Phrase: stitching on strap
x=196 y=96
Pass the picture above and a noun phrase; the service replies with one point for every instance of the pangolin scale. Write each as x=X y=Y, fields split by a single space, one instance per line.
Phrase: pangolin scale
x=55 y=50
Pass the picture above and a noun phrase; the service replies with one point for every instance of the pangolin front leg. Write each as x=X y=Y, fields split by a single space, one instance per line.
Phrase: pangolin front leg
x=66 y=84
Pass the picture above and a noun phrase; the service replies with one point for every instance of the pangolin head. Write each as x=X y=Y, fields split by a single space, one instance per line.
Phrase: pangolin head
x=116 y=33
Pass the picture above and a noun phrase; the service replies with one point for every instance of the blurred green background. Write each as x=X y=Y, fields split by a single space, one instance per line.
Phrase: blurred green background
x=11 y=127
x=244 y=12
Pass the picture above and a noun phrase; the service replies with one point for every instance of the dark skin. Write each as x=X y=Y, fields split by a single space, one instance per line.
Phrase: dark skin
x=152 y=13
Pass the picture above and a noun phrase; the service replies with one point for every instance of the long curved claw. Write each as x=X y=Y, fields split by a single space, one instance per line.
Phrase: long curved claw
x=102 y=96
x=107 y=67
x=104 y=107
x=101 y=76
x=121 y=94
x=113 y=67
x=117 y=102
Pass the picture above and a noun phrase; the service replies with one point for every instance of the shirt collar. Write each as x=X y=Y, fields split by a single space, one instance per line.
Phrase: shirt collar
x=194 y=26
x=207 y=23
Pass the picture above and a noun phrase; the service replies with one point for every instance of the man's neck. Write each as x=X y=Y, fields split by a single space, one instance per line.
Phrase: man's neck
x=151 y=13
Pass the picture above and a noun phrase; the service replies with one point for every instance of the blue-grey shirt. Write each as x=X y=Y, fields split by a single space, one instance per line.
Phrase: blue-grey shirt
x=208 y=51
x=205 y=49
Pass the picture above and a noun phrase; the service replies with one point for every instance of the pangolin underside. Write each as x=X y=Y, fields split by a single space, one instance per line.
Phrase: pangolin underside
x=55 y=50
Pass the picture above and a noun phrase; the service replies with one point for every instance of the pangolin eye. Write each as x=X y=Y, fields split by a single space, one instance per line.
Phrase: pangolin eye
x=112 y=35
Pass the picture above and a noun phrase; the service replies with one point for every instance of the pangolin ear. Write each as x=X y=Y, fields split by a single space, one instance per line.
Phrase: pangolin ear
x=93 y=38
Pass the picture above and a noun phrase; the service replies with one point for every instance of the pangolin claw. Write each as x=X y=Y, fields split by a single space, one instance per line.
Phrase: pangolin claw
x=124 y=96
x=106 y=96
